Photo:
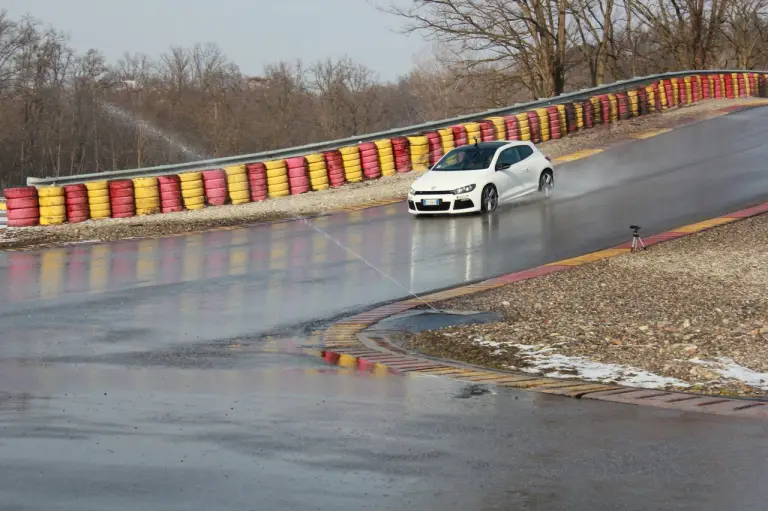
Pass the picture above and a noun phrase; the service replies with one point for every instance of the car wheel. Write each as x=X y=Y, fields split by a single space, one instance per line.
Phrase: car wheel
x=490 y=199
x=546 y=182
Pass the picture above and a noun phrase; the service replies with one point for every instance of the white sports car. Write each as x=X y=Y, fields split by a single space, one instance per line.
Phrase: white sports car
x=479 y=176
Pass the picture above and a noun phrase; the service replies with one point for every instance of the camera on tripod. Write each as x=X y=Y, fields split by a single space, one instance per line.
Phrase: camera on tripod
x=636 y=237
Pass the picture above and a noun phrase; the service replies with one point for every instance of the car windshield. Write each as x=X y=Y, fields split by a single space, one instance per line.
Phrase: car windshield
x=467 y=158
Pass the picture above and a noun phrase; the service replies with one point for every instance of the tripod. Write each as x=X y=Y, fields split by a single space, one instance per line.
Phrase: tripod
x=636 y=238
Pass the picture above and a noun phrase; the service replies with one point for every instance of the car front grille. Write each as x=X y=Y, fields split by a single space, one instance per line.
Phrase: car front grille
x=443 y=206
x=463 y=204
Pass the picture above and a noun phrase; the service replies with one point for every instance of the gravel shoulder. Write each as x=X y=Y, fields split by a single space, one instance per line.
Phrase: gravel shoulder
x=690 y=314
x=386 y=188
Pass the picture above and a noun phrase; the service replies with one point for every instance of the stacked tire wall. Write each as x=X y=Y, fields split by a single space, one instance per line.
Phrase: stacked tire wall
x=382 y=158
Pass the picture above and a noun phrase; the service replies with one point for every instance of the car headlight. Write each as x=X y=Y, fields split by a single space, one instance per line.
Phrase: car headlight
x=464 y=189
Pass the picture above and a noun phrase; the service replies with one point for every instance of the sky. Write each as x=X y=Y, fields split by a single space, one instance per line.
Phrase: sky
x=252 y=33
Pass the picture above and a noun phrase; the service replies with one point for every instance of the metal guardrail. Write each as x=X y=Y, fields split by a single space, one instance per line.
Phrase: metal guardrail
x=335 y=144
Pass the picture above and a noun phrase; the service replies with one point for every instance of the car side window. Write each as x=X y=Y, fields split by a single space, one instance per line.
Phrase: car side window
x=524 y=151
x=508 y=157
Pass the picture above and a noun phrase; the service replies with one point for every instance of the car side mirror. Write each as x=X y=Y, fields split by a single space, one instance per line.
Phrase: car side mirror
x=502 y=166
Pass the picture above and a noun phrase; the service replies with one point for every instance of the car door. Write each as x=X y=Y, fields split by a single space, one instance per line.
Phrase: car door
x=526 y=167
x=507 y=175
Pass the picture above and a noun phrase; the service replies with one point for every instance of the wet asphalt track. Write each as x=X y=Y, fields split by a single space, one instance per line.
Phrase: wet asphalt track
x=139 y=375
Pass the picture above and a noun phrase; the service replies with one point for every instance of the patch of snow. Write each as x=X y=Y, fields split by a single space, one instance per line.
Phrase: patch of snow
x=727 y=368
x=545 y=360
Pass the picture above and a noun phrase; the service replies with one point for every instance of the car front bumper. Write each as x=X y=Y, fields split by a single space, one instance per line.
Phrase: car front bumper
x=447 y=204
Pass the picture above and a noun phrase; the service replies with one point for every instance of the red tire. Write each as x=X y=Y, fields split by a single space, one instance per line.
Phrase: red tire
x=296 y=162
x=23 y=222
x=123 y=208
x=121 y=201
x=76 y=201
x=75 y=210
x=172 y=209
x=297 y=172
x=298 y=181
x=76 y=219
x=215 y=183
x=23 y=213
x=214 y=174
x=121 y=184
x=120 y=193
x=299 y=190
x=20 y=193
x=126 y=214
x=172 y=179
x=22 y=203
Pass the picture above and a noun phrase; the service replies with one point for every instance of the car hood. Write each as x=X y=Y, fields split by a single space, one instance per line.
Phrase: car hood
x=447 y=180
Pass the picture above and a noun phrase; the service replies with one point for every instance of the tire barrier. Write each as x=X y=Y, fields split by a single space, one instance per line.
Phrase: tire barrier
x=524 y=126
x=22 y=206
x=53 y=208
x=335 y=166
x=487 y=131
x=553 y=117
x=401 y=146
x=298 y=177
x=317 y=171
x=170 y=193
x=622 y=102
x=419 y=146
x=76 y=198
x=353 y=167
x=513 y=127
x=533 y=125
x=121 y=198
x=473 y=132
x=589 y=113
x=146 y=193
x=446 y=138
x=99 y=205
x=460 y=137
x=257 y=180
x=277 y=178
x=571 y=113
x=215 y=185
x=386 y=157
x=192 y=190
x=544 y=130
x=499 y=127
x=369 y=158
x=237 y=184
x=435 y=143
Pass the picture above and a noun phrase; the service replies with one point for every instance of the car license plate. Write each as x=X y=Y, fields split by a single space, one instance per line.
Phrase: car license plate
x=431 y=202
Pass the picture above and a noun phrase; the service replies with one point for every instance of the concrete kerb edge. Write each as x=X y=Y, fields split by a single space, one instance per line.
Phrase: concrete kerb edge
x=344 y=338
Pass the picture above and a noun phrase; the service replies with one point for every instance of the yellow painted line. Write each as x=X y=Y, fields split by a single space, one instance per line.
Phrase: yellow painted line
x=578 y=155
x=706 y=224
x=652 y=133
x=589 y=258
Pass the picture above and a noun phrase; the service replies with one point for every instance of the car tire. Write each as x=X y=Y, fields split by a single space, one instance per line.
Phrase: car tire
x=489 y=200
x=546 y=182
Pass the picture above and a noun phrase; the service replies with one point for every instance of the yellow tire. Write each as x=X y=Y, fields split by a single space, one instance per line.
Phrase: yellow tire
x=147 y=203
x=100 y=214
x=277 y=188
x=52 y=201
x=239 y=187
x=96 y=186
x=316 y=158
x=53 y=210
x=275 y=164
x=318 y=174
x=192 y=186
x=281 y=180
x=278 y=172
x=196 y=200
x=52 y=220
x=50 y=191
x=386 y=160
x=240 y=195
x=321 y=187
x=235 y=170
x=277 y=195
x=352 y=169
x=237 y=178
x=349 y=151
x=146 y=193
x=144 y=182
x=237 y=202
x=317 y=166
x=187 y=177
x=355 y=177
x=147 y=211
x=190 y=194
x=195 y=207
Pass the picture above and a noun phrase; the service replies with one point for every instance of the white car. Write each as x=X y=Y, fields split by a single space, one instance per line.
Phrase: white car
x=477 y=177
